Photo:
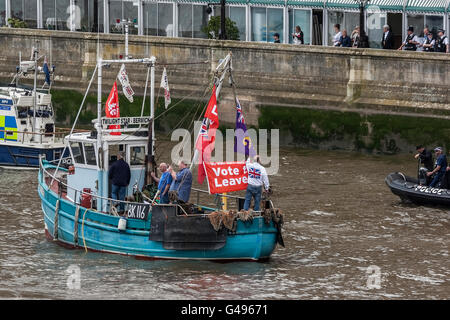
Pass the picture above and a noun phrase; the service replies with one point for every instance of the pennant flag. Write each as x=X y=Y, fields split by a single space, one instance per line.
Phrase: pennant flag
x=46 y=71
x=165 y=86
x=112 y=108
x=207 y=136
x=126 y=87
x=242 y=141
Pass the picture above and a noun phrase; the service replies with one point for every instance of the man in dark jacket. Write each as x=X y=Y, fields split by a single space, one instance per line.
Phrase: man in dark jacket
x=425 y=156
x=119 y=174
x=387 y=42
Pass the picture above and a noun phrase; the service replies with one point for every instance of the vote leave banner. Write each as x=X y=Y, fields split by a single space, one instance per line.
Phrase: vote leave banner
x=226 y=176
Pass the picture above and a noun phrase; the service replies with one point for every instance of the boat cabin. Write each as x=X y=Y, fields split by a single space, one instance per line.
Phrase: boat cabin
x=91 y=172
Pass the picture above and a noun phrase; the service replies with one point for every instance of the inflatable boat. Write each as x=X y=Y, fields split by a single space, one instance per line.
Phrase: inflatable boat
x=409 y=189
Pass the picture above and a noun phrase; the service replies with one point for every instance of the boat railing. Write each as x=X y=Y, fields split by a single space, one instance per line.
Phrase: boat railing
x=56 y=134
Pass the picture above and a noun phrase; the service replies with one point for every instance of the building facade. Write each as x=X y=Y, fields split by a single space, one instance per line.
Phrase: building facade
x=257 y=20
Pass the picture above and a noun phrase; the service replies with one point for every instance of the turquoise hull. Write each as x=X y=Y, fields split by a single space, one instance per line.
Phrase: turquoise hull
x=254 y=240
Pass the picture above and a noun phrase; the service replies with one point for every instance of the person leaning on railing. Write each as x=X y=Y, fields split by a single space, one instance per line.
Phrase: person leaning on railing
x=163 y=183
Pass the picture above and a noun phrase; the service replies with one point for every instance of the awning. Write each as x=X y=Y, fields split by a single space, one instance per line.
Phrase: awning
x=342 y=4
x=435 y=6
x=268 y=2
x=307 y=3
x=386 y=5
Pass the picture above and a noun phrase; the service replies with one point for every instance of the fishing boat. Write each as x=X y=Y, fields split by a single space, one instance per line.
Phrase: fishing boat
x=80 y=213
x=27 y=121
x=415 y=190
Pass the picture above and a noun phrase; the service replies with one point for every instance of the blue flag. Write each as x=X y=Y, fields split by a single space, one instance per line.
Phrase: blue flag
x=46 y=71
x=242 y=142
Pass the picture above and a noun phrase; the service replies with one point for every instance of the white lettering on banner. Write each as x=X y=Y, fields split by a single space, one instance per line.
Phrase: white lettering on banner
x=126 y=121
x=426 y=189
x=226 y=176
x=126 y=87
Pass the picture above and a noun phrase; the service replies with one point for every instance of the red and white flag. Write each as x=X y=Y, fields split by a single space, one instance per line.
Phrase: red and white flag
x=165 y=86
x=126 y=87
x=207 y=135
x=112 y=108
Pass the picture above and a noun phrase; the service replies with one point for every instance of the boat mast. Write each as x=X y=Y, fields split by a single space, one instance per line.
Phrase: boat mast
x=34 y=126
x=223 y=66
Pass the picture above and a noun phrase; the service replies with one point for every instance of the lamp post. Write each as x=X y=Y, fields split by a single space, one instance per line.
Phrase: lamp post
x=363 y=38
x=223 y=32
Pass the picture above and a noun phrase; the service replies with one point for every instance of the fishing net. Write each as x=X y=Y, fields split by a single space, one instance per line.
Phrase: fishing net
x=229 y=220
x=216 y=220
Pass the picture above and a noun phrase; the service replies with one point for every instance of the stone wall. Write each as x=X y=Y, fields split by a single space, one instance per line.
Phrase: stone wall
x=346 y=79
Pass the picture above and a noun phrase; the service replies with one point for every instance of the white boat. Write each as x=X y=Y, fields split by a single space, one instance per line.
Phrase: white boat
x=27 y=121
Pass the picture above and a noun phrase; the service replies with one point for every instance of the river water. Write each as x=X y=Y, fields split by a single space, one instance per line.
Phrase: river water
x=346 y=236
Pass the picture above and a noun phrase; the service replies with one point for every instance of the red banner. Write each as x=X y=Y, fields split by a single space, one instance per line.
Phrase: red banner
x=112 y=107
x=226 y=176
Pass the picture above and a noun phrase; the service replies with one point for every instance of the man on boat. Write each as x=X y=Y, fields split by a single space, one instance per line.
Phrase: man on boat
x=163 y=183
x=182 y=181
x=440 y=169
x=257 y=177
x=425 y=156
x=120 y=175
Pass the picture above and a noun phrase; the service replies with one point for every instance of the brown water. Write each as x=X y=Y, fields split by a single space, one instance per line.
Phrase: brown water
x=340 y=219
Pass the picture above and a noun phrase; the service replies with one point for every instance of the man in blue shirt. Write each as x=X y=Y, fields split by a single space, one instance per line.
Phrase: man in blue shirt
x=440 y=168
x=163 y=183
x=182 y=181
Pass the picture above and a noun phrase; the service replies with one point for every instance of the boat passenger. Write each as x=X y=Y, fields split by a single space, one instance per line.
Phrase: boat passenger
x=182 y=181
x=163 y=183
x=120 y=175
x=440 y=169
x=425 y=156
x=257 y=177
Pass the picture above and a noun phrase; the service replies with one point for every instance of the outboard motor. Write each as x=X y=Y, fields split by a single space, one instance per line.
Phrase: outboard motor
x=423 y=178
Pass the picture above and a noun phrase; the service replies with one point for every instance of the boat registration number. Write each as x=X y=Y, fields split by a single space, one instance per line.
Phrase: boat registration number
x=138 y=211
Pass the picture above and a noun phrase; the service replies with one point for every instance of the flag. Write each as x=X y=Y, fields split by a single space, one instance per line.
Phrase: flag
x=207 y=135
x=126 y=87
x=112 y=107
x=46 y=71
x=242 y=141
x=165 y=86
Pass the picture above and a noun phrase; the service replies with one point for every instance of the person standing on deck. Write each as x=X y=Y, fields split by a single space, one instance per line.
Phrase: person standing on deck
x=182 y=181
x=120 y=175
x=163 y=183
x=425 y=156
x=257 y=177
x=440 y=169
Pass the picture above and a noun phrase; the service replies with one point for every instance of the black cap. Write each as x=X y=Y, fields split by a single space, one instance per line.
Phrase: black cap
x=441 y=30
x=276 y=35
x=419 y=147
x=411 y=29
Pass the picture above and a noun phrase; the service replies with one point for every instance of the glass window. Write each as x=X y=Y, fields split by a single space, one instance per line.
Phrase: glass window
x=137 y=156
x=200 y=20
x=77 y=152
x=434 y=23
x=375 y=23
x=87 y=15
x=274 y=23
x=25 y=10
x=259 y=29
x=55 y=14
x=90 y=154
x=351 y=20
x=301 y=18
x=417 y=22
x=120 y=10
x=158 y=19
x=2 y=13
x=185 y=20
x=334 y=17
x=237 y=14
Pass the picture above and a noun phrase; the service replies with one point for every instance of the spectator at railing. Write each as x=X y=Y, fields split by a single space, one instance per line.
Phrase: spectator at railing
x=429 y=43
x=298 y=36
x=344 y=40
x=355 y=37
x=388 y=39
x=442 y=44
x=337 y=36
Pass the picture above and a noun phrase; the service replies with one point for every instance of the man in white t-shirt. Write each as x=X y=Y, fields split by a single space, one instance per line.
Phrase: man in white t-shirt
x=337 y=36
x=257 y=178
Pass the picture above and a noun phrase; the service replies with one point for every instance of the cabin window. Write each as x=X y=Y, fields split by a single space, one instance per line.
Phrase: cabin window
x=77 y=152
x=89 y=151
x=137 y=156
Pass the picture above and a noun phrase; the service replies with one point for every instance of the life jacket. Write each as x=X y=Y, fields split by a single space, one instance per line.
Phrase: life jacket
x=440 y=46
x=428 y=41
x=410 y=46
